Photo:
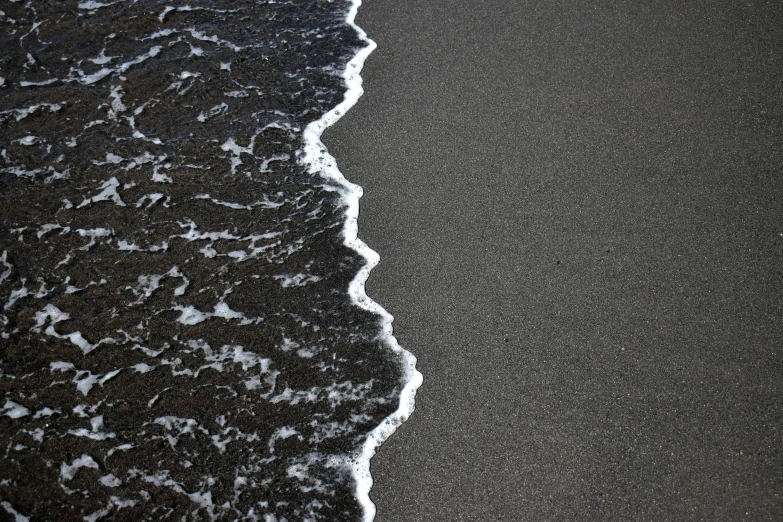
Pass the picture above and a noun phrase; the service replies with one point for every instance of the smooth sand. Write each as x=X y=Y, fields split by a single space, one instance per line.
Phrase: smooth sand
x=579 y=211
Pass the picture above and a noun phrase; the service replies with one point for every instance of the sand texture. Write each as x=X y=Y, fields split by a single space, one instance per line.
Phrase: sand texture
x=578 y=212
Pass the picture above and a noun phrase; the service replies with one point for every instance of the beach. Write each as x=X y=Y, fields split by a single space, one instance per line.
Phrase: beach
x=578 y=213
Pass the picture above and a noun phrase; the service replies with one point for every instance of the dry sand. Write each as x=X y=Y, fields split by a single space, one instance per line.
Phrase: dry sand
x=579 y=211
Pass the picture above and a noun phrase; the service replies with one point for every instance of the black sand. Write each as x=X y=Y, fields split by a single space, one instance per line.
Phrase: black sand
x=579 y=214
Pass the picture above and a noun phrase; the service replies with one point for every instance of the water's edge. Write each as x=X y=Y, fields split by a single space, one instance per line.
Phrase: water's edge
x=324 y=164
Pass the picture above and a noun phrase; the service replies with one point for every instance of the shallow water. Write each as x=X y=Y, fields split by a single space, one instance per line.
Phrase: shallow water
x=184 y=329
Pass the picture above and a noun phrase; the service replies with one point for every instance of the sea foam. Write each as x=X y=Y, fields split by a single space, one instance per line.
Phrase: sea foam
x=324 y=164
x=183 y=306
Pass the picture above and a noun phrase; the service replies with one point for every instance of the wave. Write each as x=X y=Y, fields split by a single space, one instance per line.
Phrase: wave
x=184 y=325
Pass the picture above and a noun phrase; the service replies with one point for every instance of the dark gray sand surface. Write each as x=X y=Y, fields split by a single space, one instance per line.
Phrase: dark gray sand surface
x=579 y=211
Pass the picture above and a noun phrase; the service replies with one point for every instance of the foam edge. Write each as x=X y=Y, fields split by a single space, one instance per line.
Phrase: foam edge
x=322 y=163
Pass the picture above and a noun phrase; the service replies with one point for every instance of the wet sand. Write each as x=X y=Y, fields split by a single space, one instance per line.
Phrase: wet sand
x=579 y=215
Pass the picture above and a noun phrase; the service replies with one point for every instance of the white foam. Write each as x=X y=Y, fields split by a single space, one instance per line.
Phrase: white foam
x=235 y=206
x=8 y=267
x=14 y=410
x=91 y=5
x=89 y=79
x=20 y=114
x=55 y=315
x=182 y=425
x=38 y=84
x=153 y=198
x=28 y=140
x=237 y=150
x=123 y=245
x=281 y=433
x=102 y=59
x=214 y=111
x=44 y=412
x=110 y=481
x=109 y=192
x=18 y=517
x=287 y=281
x=191 y=315
x=321 y=162
x=149 y=283
x=68 y=471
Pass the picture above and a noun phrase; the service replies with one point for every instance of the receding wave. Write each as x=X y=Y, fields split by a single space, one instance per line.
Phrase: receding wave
x=185 y=333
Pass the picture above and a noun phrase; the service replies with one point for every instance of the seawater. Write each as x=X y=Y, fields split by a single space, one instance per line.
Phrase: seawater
x=184 y=329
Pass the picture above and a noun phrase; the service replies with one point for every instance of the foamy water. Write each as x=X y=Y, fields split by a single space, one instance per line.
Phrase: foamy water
x=185 y=330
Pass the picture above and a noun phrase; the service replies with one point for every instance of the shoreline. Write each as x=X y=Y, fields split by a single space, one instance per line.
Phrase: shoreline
x=321 y=163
